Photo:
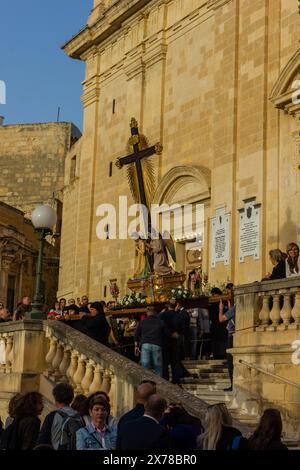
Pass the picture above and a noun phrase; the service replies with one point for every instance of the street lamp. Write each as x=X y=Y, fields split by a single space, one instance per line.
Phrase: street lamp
x=43 y=218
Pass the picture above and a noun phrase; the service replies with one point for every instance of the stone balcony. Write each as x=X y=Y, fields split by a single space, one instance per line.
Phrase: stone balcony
x=266 y=365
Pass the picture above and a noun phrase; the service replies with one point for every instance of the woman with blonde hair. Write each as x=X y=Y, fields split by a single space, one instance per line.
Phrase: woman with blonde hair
x=291 y=262
x=219 y=433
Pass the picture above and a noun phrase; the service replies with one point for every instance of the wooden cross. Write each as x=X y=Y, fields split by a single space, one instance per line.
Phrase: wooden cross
x=137 y=156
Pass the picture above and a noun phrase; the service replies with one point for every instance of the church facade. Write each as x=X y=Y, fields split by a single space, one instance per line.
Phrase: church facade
x=215 y=82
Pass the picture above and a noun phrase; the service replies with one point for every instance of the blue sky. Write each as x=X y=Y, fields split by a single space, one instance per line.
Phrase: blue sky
x=38 y=75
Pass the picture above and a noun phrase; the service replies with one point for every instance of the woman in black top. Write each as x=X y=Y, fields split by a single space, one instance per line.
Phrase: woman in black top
x=268 y=433
x=278 y=260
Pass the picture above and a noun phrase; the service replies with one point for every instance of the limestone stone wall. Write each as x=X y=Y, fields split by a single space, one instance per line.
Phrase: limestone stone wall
x=32 y=160
x=205 y=78
x=18 y=256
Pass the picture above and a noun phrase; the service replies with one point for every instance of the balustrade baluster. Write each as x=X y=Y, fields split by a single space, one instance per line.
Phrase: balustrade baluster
x=88 y=377
x=275 y=312
x=96 y=385
x=65 y=362
x=264 y=314
x=79 y=374
x=9 y=353
x=106 y=381
x=51 y=354
x=286 y=311
x=296 y=310
x=58 y=360
x=113 y=394
x=72 y=367
x=2 y=353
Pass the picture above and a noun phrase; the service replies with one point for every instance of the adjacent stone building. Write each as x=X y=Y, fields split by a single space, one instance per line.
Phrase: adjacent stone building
x=32 y=160
x=18 y=256
x=212 y=80
x=32 y=165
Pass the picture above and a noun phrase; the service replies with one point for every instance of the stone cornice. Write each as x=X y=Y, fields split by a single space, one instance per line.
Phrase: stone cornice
x=215 y=4
x=111 y=20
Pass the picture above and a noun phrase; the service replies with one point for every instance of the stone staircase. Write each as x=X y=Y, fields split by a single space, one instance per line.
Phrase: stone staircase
x=210 y=377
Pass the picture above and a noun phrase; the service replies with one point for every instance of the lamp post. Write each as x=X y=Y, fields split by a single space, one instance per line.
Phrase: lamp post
x=43 y=219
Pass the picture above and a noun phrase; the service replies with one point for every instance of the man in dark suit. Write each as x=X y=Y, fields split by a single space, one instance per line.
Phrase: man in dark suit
x=146 y=433
x=144 y=391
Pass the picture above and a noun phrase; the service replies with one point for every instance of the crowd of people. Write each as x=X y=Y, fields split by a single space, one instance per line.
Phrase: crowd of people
x=86 y=423
x=159 y=340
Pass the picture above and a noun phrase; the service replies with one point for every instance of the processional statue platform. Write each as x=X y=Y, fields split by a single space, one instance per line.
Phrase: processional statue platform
x=153 y=276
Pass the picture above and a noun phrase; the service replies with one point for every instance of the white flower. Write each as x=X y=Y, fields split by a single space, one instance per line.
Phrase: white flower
x=173 y=291
x=180 y=292
x=126 y=303
x=184 y=296
x=143 y=301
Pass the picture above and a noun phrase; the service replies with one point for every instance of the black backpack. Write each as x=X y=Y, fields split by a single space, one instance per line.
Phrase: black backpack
x=69 y=427
x=9 y=437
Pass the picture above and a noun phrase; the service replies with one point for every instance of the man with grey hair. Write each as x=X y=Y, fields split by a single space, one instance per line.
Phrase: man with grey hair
x=146 y=433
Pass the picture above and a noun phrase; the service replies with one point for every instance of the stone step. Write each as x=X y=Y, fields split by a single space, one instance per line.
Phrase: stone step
x=212 y=397
x=206 y=370
x=292 y=444
x=202 y=383
x=210 y=362
x=214 y=375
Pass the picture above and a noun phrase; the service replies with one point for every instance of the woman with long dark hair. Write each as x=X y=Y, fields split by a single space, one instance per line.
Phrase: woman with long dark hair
x=23 y=432
x=291 y=262
x=267 y=436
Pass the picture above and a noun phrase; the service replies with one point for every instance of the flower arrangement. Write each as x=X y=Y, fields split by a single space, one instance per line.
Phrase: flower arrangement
x=181 y=292
x=133 y=300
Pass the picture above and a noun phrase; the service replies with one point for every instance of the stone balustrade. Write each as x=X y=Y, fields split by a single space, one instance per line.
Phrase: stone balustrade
x=90 y=366
x=268 y=305
x=267 y=329
x=38 y=354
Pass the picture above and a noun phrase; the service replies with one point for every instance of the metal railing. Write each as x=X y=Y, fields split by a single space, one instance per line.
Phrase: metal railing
x=275 y=376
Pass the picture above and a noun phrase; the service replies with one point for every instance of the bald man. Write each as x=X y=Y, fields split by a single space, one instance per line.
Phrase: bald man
x=144 y=391
x=145 y=433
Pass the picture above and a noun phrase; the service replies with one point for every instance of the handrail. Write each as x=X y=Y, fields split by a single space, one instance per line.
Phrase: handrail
x=278 y=377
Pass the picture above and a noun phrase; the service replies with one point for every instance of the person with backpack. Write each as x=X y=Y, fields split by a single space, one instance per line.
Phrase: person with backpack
x=23 y=431
x=97 y=435
x=60 y=426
